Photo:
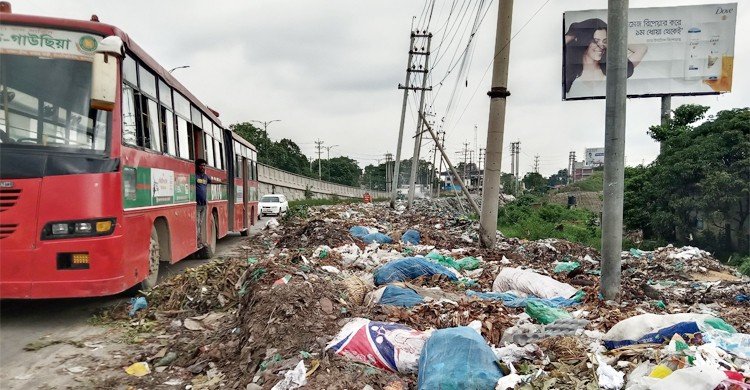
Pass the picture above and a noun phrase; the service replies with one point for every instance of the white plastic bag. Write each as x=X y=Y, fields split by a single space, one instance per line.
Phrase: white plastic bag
x=531 y=283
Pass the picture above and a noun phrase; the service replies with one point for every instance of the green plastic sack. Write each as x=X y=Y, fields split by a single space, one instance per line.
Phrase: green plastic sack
x=469 y=263
x=545 y=314
x=567 y=266
x=443 y=260
x=718 y=323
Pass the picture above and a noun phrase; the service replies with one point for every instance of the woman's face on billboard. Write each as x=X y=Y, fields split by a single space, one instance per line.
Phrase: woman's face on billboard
x=597 y=45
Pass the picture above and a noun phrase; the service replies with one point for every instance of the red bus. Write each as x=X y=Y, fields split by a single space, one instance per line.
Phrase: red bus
x=98 y=145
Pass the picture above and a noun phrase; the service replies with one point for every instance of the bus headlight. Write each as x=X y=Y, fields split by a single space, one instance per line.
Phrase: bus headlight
x=82 y=228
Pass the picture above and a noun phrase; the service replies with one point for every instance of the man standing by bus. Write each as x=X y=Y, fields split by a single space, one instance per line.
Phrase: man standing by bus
x=202 y=180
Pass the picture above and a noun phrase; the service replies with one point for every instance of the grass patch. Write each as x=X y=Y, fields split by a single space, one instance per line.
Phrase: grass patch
x=594 y=183
x=530 y=218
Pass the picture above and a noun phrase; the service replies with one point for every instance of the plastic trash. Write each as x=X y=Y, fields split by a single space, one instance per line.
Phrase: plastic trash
x=636 y=252
x=359 y=231
x=293 y=379
x=512 y=300
x=409 y=268
x=412 y=237
x=138 y=369
x=566 y=266
x=379 y=238
x=693 y=378
x=467 y=263
x=284 y=280
x=384 y=345
x=137 y=304
x=330 y=269
x=272 y=223
x=737 y=344
x=545 y=314
x=395 y=296
x=660 y=371
x=655 y=328
x=532 y=283
x=609 y=378
x=457 y=358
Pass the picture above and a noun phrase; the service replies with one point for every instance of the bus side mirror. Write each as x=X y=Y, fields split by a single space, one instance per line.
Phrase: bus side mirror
x=104 y=73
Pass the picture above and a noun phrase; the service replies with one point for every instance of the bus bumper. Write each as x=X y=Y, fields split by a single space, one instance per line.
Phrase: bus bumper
x=45 y=271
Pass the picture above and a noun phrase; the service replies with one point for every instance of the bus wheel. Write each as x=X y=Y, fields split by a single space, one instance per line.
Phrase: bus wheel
x=209 y=250
x=153 y=262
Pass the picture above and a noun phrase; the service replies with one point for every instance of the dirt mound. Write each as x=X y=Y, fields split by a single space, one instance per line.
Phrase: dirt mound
x=314 y=233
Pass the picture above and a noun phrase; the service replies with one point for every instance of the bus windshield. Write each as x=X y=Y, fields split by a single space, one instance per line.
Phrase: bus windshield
x=45 y=103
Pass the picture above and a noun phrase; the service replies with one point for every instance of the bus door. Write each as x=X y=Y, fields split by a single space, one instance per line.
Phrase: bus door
x=245 y=190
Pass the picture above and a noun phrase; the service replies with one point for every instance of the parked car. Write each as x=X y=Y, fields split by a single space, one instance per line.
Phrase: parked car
x=272 y=204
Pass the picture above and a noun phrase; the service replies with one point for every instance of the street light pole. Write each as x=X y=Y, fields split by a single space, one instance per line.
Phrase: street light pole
x=178 y=67
x=266 y=123
x=328 y=158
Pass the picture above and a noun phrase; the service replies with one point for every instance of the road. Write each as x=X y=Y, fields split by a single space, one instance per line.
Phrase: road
x=26 y=321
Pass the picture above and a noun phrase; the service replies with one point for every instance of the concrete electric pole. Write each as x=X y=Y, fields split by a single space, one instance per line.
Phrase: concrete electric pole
x=420 y=122
x=319 y=146
x=405 y=87
x=496 y=126
x=614 y=146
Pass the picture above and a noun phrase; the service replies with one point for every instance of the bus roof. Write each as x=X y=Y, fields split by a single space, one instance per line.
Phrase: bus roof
x=106 y=30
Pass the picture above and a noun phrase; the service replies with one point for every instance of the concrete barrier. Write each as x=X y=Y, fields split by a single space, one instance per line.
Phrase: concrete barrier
x=272 y=180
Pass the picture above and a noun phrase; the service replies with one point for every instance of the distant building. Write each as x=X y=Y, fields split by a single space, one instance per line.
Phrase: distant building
x=582 y=171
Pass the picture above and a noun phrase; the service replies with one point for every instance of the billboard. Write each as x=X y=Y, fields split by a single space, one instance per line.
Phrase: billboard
x=687 y=50
x=594 y=157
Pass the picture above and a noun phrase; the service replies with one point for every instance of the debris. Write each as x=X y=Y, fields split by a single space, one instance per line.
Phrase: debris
x=293 y=379
x=282 y=281
x=609 y=378
x=168 y=359
x=138 y=369
x=330 y=269
x=545 y=314
x=379 y=238
x=409 y=268
x=457 y=358
x=383 y=345
x=136 y=304
x=272 y=223
x=566 y=266
x=411 y=236
x=532 y=283
x=76 y=369
x=653 y=328
x=396 y=296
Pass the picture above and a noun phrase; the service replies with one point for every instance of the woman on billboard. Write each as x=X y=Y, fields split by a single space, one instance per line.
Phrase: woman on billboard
x=586 y=57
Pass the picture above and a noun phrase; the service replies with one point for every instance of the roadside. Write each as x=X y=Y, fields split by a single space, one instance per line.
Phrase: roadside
x=68 y=345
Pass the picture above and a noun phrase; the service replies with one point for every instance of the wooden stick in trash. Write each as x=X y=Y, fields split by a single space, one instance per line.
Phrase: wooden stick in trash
x=453 y=170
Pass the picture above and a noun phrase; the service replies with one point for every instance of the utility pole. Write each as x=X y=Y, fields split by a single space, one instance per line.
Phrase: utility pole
x=466 y=159
x=518 y=165
x=388 y=160
x=614 y=147
x=319 y=146
x=406 y=87
x=512 y=165
x=420 y=122
x=472 y=203
x=536 y=164
x=328 y=158
x=496 y=127
x=571 y=166
x=666 y=114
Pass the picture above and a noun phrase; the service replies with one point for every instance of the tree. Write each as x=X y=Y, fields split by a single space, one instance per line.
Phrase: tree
x=696 y=192
x=535 y=182
x=559 y=178
x=342 y=170
x=284 y=154
x=508 y=182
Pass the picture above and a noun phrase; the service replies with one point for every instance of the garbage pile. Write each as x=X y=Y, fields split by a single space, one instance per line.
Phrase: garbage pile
x=364 y=297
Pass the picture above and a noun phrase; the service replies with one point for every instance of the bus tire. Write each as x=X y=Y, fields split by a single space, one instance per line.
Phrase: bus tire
x=208 y=251
x=154 y=258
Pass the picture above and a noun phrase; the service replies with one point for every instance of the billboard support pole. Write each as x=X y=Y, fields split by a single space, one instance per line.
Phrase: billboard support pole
x=496 y=127
x=666 y=110
x=614 y=147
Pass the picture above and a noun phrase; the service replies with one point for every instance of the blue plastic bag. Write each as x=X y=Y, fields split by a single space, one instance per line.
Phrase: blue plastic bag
x=376 y=237
x=400 y=296
x=137 y=304
x=511 y=300
x=411 y=236
x=457 y=358
x=359 y=231
x=409 y=268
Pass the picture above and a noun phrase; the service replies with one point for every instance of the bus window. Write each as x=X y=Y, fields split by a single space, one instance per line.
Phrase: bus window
x=147 y=82
x=195 y=116
x=167 y=126
x=165 y=94
x=128 y=116
x=150 y=123
x=219 y=155
x=129 y=71
x=209 y=145
x=181 y=105
x=184 y=139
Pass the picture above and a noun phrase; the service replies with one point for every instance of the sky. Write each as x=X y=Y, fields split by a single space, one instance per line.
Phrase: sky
x=329 y=70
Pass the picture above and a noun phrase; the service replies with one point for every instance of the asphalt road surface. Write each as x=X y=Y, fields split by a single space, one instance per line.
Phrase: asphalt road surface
x=25 y=321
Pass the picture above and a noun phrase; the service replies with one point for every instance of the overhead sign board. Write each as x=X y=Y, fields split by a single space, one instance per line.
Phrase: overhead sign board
x=686 y=50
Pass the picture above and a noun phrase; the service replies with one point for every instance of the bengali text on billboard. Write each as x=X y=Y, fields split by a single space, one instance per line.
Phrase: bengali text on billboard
x=687 y=50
